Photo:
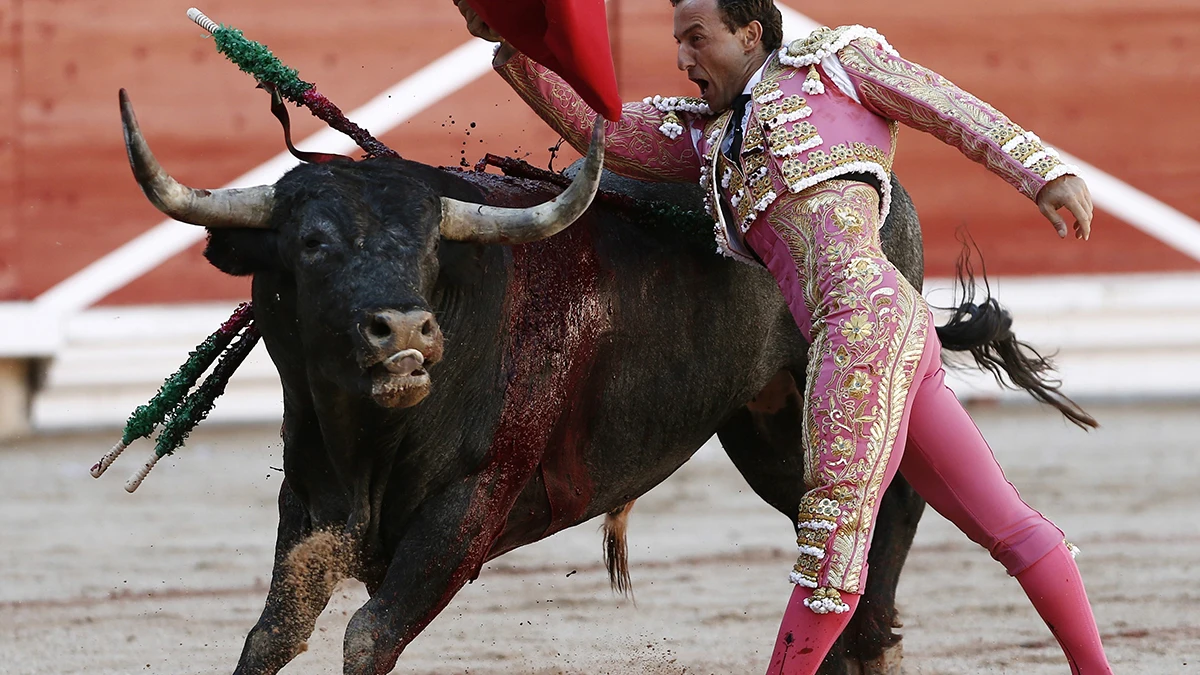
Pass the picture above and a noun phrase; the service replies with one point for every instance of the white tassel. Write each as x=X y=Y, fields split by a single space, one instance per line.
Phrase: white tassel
x=813 y=86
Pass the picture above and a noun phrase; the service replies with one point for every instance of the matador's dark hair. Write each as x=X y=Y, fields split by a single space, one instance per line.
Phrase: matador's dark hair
x=739 y=13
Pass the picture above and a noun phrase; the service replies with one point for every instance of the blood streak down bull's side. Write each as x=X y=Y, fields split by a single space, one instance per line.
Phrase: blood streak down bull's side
x=457 y=385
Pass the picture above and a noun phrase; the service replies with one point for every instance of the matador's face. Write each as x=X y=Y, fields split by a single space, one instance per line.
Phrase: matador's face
x=718 y=60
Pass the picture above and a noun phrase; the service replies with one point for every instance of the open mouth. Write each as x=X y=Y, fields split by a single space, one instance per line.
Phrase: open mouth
x=400 y=380
x=702 y=84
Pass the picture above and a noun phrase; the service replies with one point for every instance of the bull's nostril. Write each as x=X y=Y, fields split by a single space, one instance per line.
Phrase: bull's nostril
x=378 y=328
x=427 y=328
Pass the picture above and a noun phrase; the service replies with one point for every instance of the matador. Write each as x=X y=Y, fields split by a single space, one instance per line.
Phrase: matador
x=793 y=145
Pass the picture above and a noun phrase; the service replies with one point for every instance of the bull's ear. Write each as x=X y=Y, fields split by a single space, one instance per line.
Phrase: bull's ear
x=243 y=251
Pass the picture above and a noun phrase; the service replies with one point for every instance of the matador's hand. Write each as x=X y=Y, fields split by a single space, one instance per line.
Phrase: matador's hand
x=476 y=25
x=1071 y=193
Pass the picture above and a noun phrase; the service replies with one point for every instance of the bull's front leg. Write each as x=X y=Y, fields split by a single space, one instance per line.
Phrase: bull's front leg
x=444 y=548
x=308 y=561
x=298 y=594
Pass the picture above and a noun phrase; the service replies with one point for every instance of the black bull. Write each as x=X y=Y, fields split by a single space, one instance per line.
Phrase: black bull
x=568 y=377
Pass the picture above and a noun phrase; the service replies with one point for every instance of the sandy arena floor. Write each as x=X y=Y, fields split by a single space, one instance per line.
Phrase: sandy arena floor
x=169 y=580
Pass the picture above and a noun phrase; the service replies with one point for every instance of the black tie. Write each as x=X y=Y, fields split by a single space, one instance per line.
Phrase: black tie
x=739 y=113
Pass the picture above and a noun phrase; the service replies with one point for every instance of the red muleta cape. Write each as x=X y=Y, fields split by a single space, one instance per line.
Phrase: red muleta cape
x=569 y=37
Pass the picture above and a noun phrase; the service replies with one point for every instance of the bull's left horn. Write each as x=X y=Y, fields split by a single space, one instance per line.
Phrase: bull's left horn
x=229 y=207
x=464 y=221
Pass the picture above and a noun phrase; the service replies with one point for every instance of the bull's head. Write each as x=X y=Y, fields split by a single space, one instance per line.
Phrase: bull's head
x=358 y=245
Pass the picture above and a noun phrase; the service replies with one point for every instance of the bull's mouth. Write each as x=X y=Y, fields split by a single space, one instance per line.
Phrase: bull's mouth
x=400 y=380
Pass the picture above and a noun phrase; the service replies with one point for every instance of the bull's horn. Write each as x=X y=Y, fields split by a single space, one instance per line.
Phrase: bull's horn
x=464 y=221
x=229 y=207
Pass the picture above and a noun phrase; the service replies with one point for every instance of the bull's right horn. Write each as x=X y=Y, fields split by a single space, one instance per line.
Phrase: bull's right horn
x=484 y=224
x=229 y=207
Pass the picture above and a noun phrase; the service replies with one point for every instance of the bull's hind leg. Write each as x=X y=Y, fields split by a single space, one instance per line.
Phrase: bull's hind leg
x=764 y=442
x=306 y=569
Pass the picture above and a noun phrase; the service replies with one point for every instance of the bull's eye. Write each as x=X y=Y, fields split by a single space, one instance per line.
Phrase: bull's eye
x=313 y=243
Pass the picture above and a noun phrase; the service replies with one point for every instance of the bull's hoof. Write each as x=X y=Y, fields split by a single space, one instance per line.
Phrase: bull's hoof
x=887 y=663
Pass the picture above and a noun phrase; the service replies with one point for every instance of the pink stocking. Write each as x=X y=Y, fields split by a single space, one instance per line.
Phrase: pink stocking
x=1056 y=591
x=805 y=636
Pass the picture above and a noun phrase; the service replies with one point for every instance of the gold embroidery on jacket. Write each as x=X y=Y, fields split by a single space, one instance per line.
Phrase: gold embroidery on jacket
x=899 y=89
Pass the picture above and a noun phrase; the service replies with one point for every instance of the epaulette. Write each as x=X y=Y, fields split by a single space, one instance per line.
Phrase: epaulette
x=822 y=43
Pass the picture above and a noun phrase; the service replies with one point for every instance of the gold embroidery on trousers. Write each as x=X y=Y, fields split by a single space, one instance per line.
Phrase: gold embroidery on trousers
x=857 y=384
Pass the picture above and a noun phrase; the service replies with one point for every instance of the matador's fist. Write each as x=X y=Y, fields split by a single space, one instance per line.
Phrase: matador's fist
x=476 y=25
x=1071 y=193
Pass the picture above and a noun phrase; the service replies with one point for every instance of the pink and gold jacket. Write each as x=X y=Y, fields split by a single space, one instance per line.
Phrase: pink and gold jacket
x=821 y=107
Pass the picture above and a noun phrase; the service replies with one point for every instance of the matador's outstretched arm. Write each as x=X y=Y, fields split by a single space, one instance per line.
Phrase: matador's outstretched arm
x=918 y=97
x=647 y=143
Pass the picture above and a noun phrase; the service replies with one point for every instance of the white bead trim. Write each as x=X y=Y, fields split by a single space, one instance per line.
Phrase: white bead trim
x=766 y=201
x=759 y=207
x=728 y=176
x=813 y=87
x=842 y=38
x=826 y=606
x=1062 y=170
x=819 y=525
x=797 y=149
x=773 y=95
x=818 y=553
x=671 y=130
x=1035 y=158
x=801 y=580
x=678 y=104
x=1015 y=143
x=885 y=182
x=793 y=116
x=726 y=250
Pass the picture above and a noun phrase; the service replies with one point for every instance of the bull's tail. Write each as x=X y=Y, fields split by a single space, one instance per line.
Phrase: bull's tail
x=616 y=552
x=985 y=330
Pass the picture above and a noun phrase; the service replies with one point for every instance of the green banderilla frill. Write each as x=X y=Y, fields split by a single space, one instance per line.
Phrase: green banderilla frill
x=198 y=404
x=146 y=418
x=255 y=59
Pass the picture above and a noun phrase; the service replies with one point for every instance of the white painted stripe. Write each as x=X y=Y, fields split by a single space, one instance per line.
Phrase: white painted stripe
x=1139 y=209
x=447 y=75
x=381 y=114
x=1109 y=193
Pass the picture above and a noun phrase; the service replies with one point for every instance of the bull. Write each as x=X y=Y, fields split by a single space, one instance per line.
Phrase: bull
x=457 y=383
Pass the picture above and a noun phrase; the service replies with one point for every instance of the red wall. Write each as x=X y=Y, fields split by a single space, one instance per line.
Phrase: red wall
x=1113 y=81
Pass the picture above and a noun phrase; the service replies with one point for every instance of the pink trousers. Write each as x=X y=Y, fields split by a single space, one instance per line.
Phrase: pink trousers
x=861 y=317
x=876 y=403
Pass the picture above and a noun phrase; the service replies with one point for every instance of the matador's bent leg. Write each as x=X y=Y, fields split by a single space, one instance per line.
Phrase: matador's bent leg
x=875 y=379
x=868 y=331
x=950 y=464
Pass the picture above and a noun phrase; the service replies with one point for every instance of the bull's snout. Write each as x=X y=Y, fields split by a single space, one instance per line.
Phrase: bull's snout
x=397 y=347
x=390 y=332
